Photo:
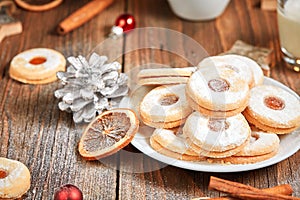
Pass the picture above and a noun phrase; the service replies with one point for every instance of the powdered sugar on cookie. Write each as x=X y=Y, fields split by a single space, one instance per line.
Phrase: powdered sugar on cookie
x=217 y=88
x=169 y=140
x=260 y=143
x=16 y=181
x=165 y=103
x=274 y=106
x=37 y=66
x=231 y=62
x=47 y=59
x=229 y=133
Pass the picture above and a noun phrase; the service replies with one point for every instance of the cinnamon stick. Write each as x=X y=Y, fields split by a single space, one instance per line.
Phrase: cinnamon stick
x=284 y=189
x=216 y=198
x=242 y=191
x=82 y=15
x=269 y=5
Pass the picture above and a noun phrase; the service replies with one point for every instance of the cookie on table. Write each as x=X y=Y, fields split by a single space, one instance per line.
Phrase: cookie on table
x=14 y=179
x=165 y=107
x=273 y=109
x=215 y=137
x=262 y=146
x=169 y=143
x=218 y=92
x=165 y=76
x=232 y=62
x=37 y=66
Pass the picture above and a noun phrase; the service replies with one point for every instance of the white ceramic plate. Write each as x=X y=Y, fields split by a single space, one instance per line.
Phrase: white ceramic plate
x=289 y=144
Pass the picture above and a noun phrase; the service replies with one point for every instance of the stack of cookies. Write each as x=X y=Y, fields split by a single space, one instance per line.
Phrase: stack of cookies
x=214 y=110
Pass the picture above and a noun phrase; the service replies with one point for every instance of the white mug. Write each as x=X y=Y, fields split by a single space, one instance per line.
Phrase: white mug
x=198 y=10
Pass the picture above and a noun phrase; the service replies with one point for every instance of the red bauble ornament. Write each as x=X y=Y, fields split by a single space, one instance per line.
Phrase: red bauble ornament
x=124 y=23
x=68 y=192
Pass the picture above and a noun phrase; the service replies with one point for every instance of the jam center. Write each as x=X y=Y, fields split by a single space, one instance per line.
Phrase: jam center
x=168 y=99
x=218 y=85
x=274 y=103
x=3 y=173
x=37 y=60
x=218 y=125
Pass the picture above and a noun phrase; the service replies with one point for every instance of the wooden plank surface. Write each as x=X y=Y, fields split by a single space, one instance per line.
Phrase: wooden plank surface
x=35 y=132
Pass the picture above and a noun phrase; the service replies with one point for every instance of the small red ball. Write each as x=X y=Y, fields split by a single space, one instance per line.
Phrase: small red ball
x=126 y=22
x=68 y=192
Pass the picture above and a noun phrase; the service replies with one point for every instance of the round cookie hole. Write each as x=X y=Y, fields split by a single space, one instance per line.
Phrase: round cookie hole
x=38 y=60
x=3 y=173
x=218 y=125
x=168 y=99
x=274 y=103
x=232 y=68
x=218 y=85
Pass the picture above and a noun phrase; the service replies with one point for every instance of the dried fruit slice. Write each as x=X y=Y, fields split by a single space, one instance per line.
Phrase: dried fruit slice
x=108 y=133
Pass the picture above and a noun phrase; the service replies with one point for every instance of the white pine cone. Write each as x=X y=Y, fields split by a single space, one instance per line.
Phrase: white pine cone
x=89 y=87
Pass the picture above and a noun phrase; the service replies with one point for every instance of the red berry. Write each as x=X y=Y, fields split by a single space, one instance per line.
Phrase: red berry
x=68 y=192
x=126 y=22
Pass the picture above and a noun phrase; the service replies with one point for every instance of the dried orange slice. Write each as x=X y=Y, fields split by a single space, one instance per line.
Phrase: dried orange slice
x=108 y=133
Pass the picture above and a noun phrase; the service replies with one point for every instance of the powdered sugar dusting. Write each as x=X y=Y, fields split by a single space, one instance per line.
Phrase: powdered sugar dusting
x=217 y=125
x=53 y=58
x=260 y=143
x=230 y=62
x=198 y=86
x=290 y=112
x=258 y=75
x=14 y=169
x=196 y=128
x=171 y=141
x=151 y=104
x=218 y=85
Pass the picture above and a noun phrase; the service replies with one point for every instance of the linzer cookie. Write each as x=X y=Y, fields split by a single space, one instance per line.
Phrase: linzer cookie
x=273 y=109
x=165 y=76
x=165 y=107
x=260 y=143
x=37 y=66
x=262 y=146
x=217 y=92
x=216 y=138
x=169 y=143
x=14 y=179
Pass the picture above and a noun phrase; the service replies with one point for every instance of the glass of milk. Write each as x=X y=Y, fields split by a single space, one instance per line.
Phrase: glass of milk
x=288 y=12
x=198 y=10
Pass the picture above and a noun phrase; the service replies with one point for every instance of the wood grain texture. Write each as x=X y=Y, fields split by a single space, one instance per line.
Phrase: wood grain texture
x=35 y=132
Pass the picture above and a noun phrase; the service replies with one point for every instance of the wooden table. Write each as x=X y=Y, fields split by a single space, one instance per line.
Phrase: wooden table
x=34 y=131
